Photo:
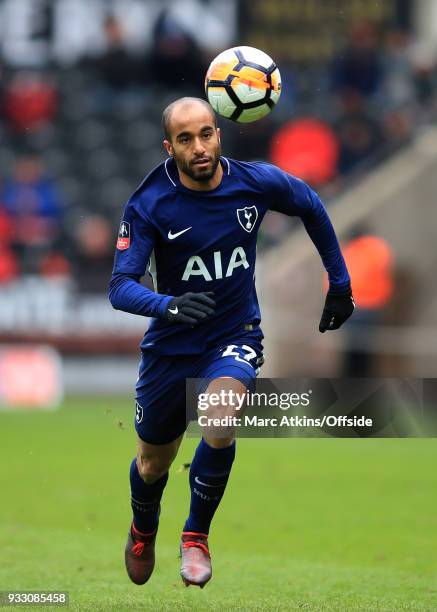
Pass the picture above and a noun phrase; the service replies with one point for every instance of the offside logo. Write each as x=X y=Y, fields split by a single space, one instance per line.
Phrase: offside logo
x=123 y=241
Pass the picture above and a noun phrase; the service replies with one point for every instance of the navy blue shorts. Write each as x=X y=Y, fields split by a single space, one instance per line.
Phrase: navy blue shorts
x=160 y=411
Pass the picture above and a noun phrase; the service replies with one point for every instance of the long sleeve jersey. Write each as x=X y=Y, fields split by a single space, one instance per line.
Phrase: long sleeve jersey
x=206 y=241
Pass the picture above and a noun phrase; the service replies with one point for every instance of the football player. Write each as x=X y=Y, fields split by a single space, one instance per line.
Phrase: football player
x=194 y=221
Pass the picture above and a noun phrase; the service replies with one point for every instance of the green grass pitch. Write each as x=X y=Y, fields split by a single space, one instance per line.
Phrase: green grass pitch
x=306 y=524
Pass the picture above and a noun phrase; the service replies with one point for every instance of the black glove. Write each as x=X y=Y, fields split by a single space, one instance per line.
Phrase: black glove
x=190 y=308
x=338 y=308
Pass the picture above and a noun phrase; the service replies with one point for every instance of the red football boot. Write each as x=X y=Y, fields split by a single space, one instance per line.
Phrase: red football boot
x=196 y=560
x=139 y=555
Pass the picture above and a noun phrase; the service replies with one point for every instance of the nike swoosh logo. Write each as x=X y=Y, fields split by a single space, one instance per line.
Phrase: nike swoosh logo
x=207 y=485
x=172 y=236
x=173 y=310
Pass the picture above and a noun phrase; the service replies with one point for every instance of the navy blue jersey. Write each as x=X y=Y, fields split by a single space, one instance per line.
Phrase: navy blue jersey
x=206 y=241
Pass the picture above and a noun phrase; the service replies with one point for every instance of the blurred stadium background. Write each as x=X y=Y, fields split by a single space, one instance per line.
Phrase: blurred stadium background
x=83 y=84
x=82 y=87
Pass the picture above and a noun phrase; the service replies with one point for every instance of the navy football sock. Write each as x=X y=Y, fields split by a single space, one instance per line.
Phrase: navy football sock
x=209 y=475
x=145 y=499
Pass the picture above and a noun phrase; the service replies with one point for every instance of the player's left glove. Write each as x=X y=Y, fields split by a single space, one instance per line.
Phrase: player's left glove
x=338 y=308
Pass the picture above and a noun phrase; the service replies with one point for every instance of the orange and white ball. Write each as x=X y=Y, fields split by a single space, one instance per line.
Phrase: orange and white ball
x=243 y=84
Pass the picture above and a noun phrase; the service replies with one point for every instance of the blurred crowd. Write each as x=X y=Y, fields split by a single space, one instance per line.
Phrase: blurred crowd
x=76 y=141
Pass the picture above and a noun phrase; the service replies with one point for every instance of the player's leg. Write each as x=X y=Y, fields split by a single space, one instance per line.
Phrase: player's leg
x=227 y=368
x=214 y=456
x=209 y=474
x=160 y=424
x=148 y=477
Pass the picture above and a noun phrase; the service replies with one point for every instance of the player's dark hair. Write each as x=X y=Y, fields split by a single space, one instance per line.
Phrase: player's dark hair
x=166 y=114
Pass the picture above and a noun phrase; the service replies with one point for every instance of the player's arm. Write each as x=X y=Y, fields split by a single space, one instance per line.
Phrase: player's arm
x=136 y=241
x=293 y=197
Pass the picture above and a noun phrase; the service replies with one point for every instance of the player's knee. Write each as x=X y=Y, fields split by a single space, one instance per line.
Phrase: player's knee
x=151 y=470
x=218 y=442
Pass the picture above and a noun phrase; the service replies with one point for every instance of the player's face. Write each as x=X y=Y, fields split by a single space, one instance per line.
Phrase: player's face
x=195 y=143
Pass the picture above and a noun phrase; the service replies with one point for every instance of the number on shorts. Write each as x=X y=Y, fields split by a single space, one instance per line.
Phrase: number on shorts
x=231 y=352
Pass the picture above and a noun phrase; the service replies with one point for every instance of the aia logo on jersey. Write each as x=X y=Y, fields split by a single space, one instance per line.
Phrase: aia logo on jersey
x=123 y=241
x=247 y=217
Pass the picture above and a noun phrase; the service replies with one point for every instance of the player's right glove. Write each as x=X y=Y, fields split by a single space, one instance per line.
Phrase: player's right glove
x=190 y=308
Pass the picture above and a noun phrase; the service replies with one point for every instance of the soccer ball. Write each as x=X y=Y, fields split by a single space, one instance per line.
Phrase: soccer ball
x=243 y=84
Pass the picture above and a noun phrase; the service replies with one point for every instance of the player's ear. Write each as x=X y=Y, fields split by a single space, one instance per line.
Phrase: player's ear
x=168 y=147
x=219 y=134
